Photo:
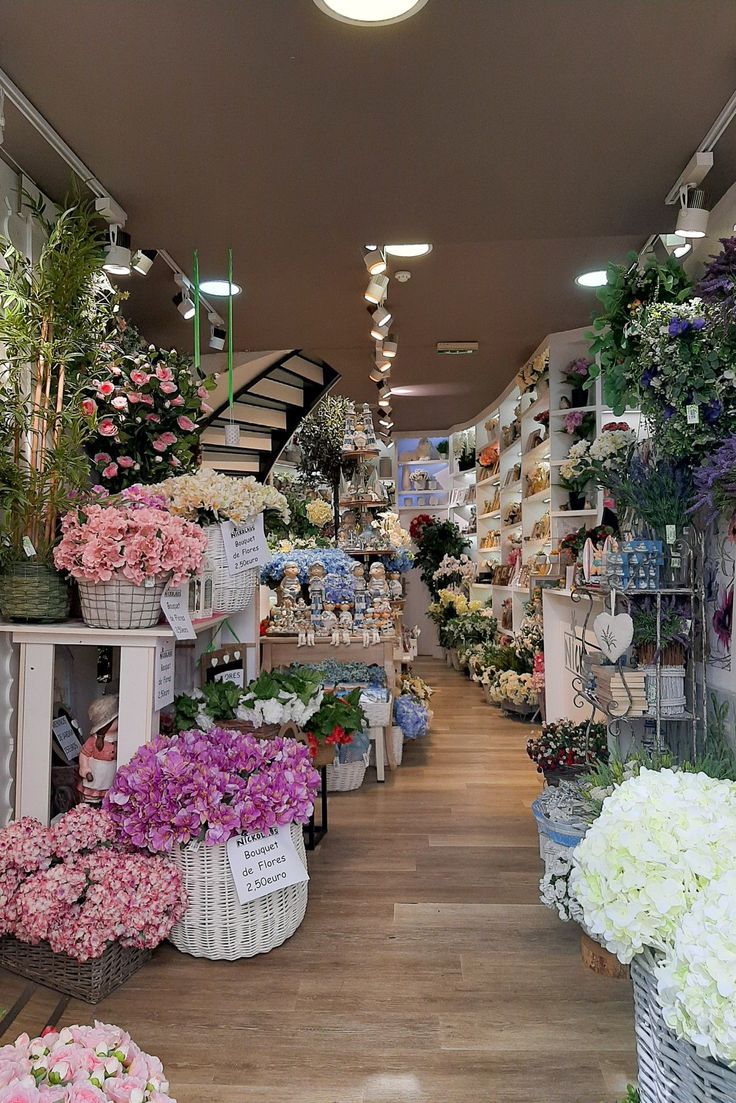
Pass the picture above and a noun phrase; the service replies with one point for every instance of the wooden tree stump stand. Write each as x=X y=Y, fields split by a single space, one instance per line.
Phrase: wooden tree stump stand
x=600 y=961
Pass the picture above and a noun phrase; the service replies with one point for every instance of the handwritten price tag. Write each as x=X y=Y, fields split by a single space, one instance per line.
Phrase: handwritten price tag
x=263 y=862
x=175 y=605
x=245 y=545
x=163 y=682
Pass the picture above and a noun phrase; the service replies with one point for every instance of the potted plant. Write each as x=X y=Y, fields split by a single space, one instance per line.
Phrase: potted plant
x=273 y=701
x=55 y=315
x=576 y=375
x=320 y=439
x=186 y=796
x=122 y=557
x=515 y=693
x=212 y=499
x=564 y=749
x=338 y=718
x=434 y=540
x=673 y=634
x=78 y=912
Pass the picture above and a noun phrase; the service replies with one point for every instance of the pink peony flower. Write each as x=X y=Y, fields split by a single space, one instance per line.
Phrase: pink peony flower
x=110 y=471
x=89 y=407
x=163 y=373
x=201 y=392
x=140 y=378
x=185 y=423
x=125 y=461
x=134 y=397
x=178 y=401
x=168 y=388
x=120 y=402
x=147 y=399
x=85 y=1093
x=101 y=457
x=105 y=389
x=107 y=428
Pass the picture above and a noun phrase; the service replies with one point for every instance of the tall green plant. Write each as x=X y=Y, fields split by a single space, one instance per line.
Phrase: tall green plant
x=319 y=439
x=55 y=312
x=435 y=540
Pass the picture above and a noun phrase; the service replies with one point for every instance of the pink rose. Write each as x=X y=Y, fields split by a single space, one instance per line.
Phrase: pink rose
x=153 y=418
x=101 y=457
x=105 y=390
x=169 y=438
x=126 y=461
x=168 y=388
x=134 y=397
x=84 y=1093
x=205 y=408
x=160 y=445
x=120 y=402
x=164 y=373
x=201 y=392
x=147 y=399
x=185 y=423
x=178 y=401
x=23 y=1091
x=107 y=428
x=110 y=471
x=140 y=378
x=89 y=406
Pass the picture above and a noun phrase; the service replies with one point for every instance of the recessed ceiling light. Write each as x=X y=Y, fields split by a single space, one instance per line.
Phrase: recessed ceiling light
x=682 y=250
x=408 y=250
x=218 y=288
x=370 y=13
x=591 y=279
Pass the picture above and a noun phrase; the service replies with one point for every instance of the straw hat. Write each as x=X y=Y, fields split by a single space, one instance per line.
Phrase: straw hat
x=102 y=711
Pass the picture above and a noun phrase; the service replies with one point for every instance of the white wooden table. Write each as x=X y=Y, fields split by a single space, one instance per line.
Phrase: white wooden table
x=137 y=720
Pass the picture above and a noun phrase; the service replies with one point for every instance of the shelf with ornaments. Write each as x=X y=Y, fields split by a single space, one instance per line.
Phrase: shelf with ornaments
x=423 y=479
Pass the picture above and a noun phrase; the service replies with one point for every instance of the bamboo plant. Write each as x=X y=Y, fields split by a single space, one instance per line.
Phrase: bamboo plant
x=56 y=313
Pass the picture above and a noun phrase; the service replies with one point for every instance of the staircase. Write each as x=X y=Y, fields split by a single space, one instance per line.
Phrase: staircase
x=272 y=392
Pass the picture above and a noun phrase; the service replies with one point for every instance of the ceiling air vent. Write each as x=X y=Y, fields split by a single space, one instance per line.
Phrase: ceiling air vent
x=457 y=348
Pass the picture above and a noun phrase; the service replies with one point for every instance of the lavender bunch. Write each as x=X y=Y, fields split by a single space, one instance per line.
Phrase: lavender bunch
x=718 y=283
x=715 y=482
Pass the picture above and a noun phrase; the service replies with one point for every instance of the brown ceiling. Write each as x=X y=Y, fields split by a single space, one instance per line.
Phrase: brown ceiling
x=527 y=139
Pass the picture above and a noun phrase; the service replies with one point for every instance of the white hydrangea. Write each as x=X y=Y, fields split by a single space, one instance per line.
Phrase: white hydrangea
x=609 y=444
x=279 y=710
x=208 y=496
x=697 y=976
x=554 y=890
x=659 y=839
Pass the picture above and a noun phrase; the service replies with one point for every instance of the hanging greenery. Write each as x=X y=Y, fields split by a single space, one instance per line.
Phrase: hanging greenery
x=319 y=439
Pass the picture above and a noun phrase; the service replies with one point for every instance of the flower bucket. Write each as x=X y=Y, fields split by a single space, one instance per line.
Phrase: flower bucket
x=90 y=981
x=343 y=777
x=121 y=604
x=672 y=688
x=325 y=756
x=33 y=593
x=230 y=592
x=670 y=1069
x=555 y=839
x=216 y=925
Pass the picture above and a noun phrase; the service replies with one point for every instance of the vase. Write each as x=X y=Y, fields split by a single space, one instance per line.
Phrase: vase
x=33 y=593
x=579 y=397
x=121 y=604
x=577 y=499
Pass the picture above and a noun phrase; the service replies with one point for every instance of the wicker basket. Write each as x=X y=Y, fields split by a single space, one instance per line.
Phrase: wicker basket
x=343 y=777
x=377 y=713
x=120 y=603
x=216 y=925
x=555 y=839
x=670 y=1070
x=90 y=981
x=33 y=593
x=230 y=592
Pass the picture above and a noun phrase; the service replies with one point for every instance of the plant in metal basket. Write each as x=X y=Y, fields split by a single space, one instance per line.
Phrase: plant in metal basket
x=209 y=786
x=281 y=697
x=73 y=887
x=85 y=1064
x=215 y=703
x=673 y=640
x=562 y=744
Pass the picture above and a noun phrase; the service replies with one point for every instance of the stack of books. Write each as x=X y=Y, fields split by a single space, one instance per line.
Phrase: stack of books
x=611 y=685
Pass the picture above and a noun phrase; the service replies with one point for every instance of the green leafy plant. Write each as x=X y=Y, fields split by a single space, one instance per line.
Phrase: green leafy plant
x=612 y=345
x=342 y=712
x=443 y=447
x=434 y=540
x=218 y=700
x=673 y=632
x=319 y=439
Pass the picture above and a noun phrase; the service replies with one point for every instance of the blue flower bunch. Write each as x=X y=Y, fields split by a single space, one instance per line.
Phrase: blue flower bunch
x=411 y=716
x=401 y=560
x=333 y=673
x=339 y=589
x=334 y=560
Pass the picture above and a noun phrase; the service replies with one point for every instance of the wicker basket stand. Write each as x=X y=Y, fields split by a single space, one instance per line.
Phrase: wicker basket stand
x=343 y=777
x=230 y=592
x=216 y=925
x=90 y=981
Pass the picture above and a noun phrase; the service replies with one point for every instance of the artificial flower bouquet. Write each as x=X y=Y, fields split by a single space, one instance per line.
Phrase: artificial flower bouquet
x=562 y=745
x=81 y=1064
x=576 y=375
x=534 y=371
x=411 y=716
x=511 y=689
x=274 y=698
x=209 y=498
x=580 y=424
x=334 y=724
x=655 y=879
x=319 y=513
x=456 y=571
x=416 y=687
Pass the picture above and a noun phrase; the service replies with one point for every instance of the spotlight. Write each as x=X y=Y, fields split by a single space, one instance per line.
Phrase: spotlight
x=219 y=288
x=376 y=290
x=381 y=316
x=692 y=221
x=111 y=211
x=386 y=422
x=379 y=374
x=374 y=260
x=143 y=259
x=184 y=304
x=217 y=338
x=391 y=346
x=381 y=362
x=408 y=250
x=383 y=402
x=379 y=332
x=592 y=279
x=117 y=253
x=682 y=250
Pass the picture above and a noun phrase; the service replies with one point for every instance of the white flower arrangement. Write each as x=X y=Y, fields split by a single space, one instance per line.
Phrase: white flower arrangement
x=208 y=498
x=510 y=686
x=554 y=890
x=319 y=512
x=607 y=448
x=659 y=840
x=450 y=566
x=390 y=528
x=577 y=461
x=696 y=979
x=278 y=710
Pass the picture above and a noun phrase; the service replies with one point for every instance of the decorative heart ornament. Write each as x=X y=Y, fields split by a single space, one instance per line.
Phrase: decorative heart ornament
x=614 y=634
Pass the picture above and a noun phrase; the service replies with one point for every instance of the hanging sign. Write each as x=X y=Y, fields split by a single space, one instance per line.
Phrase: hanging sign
x=163 y=681
x=245 y=545
x=264 y=862
x=175 y=605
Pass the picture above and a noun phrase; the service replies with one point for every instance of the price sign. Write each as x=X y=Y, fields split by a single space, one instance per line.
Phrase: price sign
x=175 y=605
x=163 y=682
x=263 y=862
x=236 y=676
x=66 y=737
x=693 y=415
x=245 y=545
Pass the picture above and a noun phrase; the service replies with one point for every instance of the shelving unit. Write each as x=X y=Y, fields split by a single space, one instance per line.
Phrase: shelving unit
x=410 y=498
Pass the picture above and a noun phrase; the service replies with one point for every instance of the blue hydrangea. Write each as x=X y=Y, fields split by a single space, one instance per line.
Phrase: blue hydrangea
x=411 y=716
x=401 y=560
x=334 y=561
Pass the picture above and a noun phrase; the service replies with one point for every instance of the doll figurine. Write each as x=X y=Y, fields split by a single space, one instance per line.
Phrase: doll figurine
x=395 y=589
x=367 y=627
x=98 y=757
x=377 y=586
x=345 y=622
x=316 y=586
x=330 y=624
x=290 y=586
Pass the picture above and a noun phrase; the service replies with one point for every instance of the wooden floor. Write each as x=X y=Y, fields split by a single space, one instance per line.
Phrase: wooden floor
x=425 y=970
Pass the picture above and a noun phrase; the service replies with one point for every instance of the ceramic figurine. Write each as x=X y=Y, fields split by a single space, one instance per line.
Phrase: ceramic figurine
x=304 y=625
x=330 y=624
x=98 y=756
x=395 y=589
x=369 y=628
x=348 y=434
x=358 y=573
x=360 y=437
x=377 y=586
x=368 y=423
x=316 y=586
x=346 y=623
x=290 y=586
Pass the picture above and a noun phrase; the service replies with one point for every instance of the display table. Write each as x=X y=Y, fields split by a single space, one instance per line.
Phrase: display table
x=280 y=651
x=137 y=721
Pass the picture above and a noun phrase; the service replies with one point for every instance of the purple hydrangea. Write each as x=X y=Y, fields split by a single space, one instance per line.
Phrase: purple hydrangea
x=411 y=716
x=210 y=786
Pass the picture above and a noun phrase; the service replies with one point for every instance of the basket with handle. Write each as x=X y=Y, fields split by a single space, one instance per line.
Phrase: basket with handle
x=670 y=1069
x=343 y=777
x=122 y=604
x=216 y=925
x=230 y=591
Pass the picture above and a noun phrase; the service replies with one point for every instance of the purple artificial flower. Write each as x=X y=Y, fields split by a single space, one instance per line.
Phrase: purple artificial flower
x=723 y=618
x=668 y=412
x=715 y=481
x=647 y=377
x=698 y=323
x=677 y=326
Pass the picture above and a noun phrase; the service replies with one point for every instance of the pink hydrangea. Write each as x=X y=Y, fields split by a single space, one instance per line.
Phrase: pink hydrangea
x=104 y=542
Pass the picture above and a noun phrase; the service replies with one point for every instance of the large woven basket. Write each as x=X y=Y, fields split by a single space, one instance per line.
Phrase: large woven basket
x=121 y=604
x=90 y=981
x=33 y=593
x=555 y=839
x=216 y=925
x=670 y=1070
x=343 y=777
x=377 y=713
x=230 y=592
